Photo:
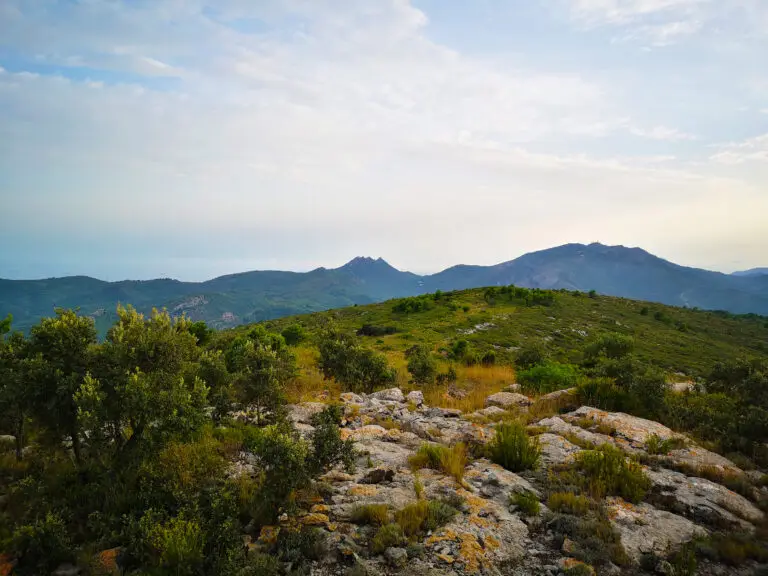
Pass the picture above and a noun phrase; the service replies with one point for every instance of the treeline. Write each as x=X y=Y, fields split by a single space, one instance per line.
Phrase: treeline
x=128 y=446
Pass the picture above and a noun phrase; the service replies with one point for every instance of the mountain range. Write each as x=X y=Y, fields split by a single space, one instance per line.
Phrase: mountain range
x=260 y=295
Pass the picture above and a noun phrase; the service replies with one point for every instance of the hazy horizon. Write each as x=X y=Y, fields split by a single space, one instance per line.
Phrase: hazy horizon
x=191 y=138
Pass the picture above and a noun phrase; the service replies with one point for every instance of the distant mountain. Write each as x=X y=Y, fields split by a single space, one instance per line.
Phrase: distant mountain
x=751 y=272
x=260 y=295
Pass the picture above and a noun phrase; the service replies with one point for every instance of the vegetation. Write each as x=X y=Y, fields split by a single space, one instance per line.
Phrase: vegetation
x=451 y=461
x=608 y=472
x=513 y=449
x=527 y=502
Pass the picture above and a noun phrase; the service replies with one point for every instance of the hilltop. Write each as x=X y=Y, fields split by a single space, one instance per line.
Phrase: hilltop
x=260 y=295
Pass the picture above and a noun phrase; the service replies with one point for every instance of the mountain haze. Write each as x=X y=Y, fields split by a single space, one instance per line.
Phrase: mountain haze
x=259 y=295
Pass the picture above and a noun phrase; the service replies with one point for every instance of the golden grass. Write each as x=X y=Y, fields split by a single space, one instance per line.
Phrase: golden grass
x=451 y=461
x=309 y=384
x=478 y=382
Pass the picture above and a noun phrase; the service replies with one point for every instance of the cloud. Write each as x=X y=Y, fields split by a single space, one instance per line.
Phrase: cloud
x=751 y=150
x=173 y=140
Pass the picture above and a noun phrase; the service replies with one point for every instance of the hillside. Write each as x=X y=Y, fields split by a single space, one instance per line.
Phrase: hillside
x=676 y=339
x=253 y=296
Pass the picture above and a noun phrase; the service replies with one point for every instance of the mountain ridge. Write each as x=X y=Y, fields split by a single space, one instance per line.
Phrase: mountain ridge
x=250 y=296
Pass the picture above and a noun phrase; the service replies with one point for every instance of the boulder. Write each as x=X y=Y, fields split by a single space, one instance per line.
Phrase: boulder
x=377 y=476
x=389 y=395
x=635 y=430
x=557 y=394
x=559 y=426
x=66 y=570
x=494 y=482
x=701 y=500
x=302 y=413
x=646 y=530
x=415 y=397
x=556 y=450
x=396 y=557
x=489 y=412
x=351 y=398
x=681 y=387
x=507 y=400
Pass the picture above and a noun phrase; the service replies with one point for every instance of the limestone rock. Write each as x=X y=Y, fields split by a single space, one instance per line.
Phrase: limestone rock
x=556 y=449
x=701 y=500
x=489 y=412
x=507 y=400
x=494 y=482
x=416 y=397
x=635 y=430
x=557 y=394
x=302 y=413
x=389 y=395
x=560 y=426
x=351 y=398
x=646 y=530
x=396 y=557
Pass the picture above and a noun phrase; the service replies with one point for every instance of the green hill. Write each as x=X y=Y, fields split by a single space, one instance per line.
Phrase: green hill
x=675 y=339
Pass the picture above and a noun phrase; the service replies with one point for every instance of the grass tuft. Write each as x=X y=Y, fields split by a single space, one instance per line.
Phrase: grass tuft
x=513 y=449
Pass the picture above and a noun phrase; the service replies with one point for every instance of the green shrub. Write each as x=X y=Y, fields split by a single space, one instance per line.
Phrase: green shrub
x=387 y=537
x=530 y=356
x=328 y=449
x=611 y=346
x=597 y=541
x=294 y=334
x=424 y=516
x=41 y=546
x=569 y=503
x=301 y=546
x=421 y=365
x=451 y=461
x=655 y=445
x=733 y=549
x=177 y=545
x=513 y=449
x=608 y=472
x=548 y=377
x=527 y=502
x=260 y=565
x=372 y=514
x=602 y=393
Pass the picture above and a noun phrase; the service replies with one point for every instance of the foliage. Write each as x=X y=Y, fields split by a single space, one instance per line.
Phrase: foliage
x=548 y=377
x=597 y=542
x=372 y=330
x=355 y=367
x=513 y=449
x=328 y=449
x=569 y=503
x=451 y=461
x=421 y=365
x=527 y=502
x=655 y=445
x=531 y=355
x=608 y=472
x=387 y=537
x=371 y=514
x=612 y=346
x=201 y=331
x=41 y=546
x=294 y=334
x=424 y=516
x=413 y=305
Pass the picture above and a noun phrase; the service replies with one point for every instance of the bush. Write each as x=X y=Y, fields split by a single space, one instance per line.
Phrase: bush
x=178 y=545
x=421 y=365
x=569 y=503
x=451 y=461
x=387 y=537
x=371 y=514
x=597 y=541
x=611 y=346
x=548 y=377
x=371 y=330
x=488 y=358
x=357 y=368
x=41 y=546
x=733 y=549
x=260 y=565
x=328 y=449
x=513 y=449
x=413 y=304
x=527 y=502
x=424 y=516
x=657 y=446
x=294 y=334
x=530 y=356
x=608 y=472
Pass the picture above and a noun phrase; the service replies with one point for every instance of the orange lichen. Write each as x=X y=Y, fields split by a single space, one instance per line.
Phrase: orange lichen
x=320 y=509
x=363 y=490
x=315 y=520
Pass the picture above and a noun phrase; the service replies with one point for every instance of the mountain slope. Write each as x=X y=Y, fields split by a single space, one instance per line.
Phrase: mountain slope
x=260 y=295
x=751 y=272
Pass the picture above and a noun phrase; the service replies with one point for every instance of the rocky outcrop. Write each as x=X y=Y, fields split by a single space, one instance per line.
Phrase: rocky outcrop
x=507 y=400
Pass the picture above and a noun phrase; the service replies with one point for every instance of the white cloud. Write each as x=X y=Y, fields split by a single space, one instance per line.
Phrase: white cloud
x=751 y=150
x=331 y=133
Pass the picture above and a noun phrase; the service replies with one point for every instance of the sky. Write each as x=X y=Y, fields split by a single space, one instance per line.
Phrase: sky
x=194 y=138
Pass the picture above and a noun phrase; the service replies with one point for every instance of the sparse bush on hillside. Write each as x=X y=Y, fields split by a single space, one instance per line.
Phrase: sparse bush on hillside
x=513 y=449
x=413 y=305
x=371 y=330
x=531 y=355
x=355 y=367
x=548 y=377
x=294 y=334
x=421 y=365
x=451 y=461
x=611 y=346
x=607 y=471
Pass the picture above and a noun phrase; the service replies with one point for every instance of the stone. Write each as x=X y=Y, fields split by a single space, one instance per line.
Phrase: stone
x=556 y=450
x=701 y=500
x=7 y=440
x=489 y=412
x=494 y=482
x=337 y=476
x=416 y=397
x=369 y=431
x=557 y=394
x=682 y=387
x=396 y=557
x=104 y=563
x=351 y=398
x=512 y=388
x=507 y=400
x=303 y=413
x=646 y=530
x=569 y=546
x=377 y=476
x=315 y=519
x=635 y=430
x=389 y=395
x=66 y=570
x=559 y=426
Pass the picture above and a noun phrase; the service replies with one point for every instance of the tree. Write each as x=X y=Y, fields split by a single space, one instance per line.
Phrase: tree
x=213 y=371
x=144 y=389
x=15 y=371
x=201 y=331
x=264 y=364
x=421 y=365
x=63 y=345
x=294 y=334
x=346 y=361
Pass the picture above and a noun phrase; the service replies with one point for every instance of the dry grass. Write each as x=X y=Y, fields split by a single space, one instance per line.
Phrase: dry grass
x=371 y=514
x=478 y=382
x=451 y=461
x=309 y=385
